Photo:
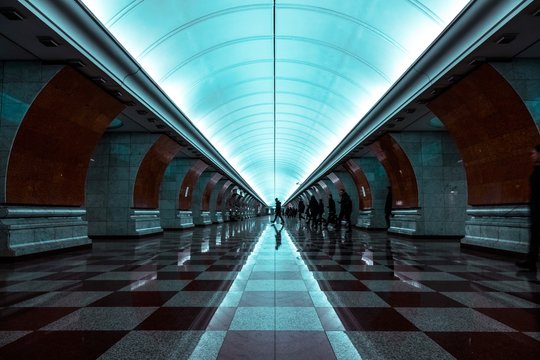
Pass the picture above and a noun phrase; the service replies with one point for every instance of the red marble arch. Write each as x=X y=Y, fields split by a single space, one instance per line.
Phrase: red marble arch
x=188 y=184
x=325 y=188
x=49 y=158
x=208 y=191
x=150 y=173
x=362 y=184
x=316 y=192
x=336 y=181
x=494 y=133
x=219 y=200
x=399 y=170
x=232 y=198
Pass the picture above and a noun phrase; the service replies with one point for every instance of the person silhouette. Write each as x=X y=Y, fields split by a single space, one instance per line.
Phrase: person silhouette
x=346 y=210
x=331 y=211
x=301 y=208
x=278 y=212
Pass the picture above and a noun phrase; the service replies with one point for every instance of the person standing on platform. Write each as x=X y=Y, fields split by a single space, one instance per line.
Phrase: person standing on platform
x=301 y=208
x=321 y=212
x=313 y=210
x=534 y=214
x=278 y=212
x=331 y=211
x=345 y=210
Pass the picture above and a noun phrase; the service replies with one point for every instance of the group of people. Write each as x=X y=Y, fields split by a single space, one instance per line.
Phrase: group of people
x=315 y=210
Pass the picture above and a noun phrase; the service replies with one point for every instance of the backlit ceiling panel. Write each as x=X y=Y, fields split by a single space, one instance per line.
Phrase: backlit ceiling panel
x=275 y=87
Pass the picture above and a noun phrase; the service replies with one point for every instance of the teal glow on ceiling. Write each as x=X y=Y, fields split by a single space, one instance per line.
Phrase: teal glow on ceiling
x=334 y=59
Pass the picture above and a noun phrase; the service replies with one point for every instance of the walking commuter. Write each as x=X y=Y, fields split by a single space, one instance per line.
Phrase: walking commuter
x=301 y=208
x=278 y=212
x=321 y=212
x=345 y=210
x=313 y=210
x=331 y=211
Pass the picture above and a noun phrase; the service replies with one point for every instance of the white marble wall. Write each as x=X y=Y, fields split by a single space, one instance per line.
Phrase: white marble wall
x=441 y=181
x=110 y=183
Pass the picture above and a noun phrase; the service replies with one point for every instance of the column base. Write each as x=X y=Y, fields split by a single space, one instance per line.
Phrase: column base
x=498 y=227
x=407 y=222
x=203 y=218
x=143 y=222
x=218 y=217
x=365 y=219
x=183 y=220
x=32 y=230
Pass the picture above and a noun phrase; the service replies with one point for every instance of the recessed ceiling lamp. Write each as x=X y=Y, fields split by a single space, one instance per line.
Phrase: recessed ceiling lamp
x=11 y=14
x=505 y=39
x=48 y=41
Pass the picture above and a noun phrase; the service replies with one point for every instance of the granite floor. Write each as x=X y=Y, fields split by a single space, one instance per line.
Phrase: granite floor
x=252 y=290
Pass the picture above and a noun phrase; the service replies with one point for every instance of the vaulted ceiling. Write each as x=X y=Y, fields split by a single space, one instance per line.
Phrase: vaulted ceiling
x=275 y=86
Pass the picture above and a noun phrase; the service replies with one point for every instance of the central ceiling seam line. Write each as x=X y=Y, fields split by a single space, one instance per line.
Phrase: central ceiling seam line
x=274 y=63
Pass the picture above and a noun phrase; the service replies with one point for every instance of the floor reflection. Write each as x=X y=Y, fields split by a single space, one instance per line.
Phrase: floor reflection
x=248 y=289
x=275 y=291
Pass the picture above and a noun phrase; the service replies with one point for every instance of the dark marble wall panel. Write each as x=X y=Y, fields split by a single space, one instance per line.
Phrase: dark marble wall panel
x=494 y=133
x=399 y=170
x=188 y=184
x=208 y=191
x=362 y=185
x=150 y=173
x=54 y=143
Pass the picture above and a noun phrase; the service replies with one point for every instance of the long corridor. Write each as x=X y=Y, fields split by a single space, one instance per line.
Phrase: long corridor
x=254 y=290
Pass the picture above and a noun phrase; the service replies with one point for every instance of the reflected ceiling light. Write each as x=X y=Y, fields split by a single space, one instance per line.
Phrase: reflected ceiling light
x=296 y=83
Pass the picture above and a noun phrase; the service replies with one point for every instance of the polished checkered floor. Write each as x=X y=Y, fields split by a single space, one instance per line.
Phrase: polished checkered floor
x=252 y=290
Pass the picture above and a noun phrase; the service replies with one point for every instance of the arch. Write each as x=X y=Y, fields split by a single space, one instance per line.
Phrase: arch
x=400 y=172
x=188 y=184
x=323 y=186
x=500 y=134
x=361 y=183
x=150 y=173
x=219 y=200
x=45 y=166
x=208 y=191
x=336 y=181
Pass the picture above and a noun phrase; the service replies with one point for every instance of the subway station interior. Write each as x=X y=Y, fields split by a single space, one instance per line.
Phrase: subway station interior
x=145 y=144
